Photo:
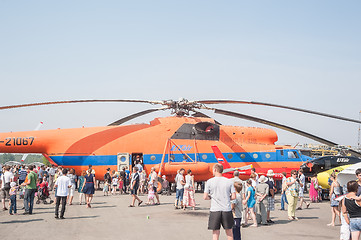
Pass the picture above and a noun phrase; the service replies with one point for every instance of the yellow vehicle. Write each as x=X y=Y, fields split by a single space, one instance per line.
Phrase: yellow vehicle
x=323 y=177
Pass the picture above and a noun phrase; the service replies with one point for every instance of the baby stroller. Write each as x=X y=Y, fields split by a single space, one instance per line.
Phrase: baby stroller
x=43 y=194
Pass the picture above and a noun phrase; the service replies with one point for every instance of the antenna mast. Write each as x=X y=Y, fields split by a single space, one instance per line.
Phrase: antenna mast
x=359 y=134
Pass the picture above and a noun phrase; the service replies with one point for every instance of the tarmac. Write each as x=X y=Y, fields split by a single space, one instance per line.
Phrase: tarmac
x=111 y=218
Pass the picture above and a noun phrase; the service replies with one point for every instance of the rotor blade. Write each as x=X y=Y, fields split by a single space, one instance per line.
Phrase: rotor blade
x=278 y=106
x=76 y=101
x=283 y=127
x=135 y=115
x=200 y=114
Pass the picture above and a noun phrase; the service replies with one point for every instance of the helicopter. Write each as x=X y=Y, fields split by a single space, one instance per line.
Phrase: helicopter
x=183 y=140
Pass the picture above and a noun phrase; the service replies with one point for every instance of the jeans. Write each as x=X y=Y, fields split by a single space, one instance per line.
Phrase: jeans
x=237 y=229
x=355 y=224
x=29 y=200
x=12 y=204
x=283 y=200
x=63 y=203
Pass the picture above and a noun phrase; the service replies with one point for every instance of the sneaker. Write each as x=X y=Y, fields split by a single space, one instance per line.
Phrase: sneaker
x=270 y=221
x=62 y=217
x=56 y=217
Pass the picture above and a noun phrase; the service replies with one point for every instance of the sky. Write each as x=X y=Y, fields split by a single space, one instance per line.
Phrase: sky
x=304 y=54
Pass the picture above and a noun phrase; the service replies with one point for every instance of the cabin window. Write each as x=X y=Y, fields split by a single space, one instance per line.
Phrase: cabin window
x=172 y=157
x=204 y=156
x=255 y=155
x=243 y=156
x=152 y=158
x=281 y=152
x=268 y=155
x=185 y=157
x=230 y=156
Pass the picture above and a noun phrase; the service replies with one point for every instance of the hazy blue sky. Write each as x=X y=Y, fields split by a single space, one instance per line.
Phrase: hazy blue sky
x=299 y=53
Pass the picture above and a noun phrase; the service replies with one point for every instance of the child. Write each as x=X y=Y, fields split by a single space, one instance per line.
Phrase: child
x=237 y=211
x=106 y=188
x=120 y=185
x=115 y=184
x=12 y=192
x=150 y=194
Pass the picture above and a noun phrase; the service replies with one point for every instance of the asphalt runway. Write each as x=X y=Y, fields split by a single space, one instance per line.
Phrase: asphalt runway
x=111 y=218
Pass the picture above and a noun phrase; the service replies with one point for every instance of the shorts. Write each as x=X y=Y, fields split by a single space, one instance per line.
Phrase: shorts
x=271 y=204
x=134 y=190
x=155 y=190
x=71 y=190
x=216 y=219
x=179 y=194
x=4 y=193
x=355 y=224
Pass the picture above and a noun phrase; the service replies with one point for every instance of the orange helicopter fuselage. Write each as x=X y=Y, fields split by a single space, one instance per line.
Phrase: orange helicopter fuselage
x=167 y=144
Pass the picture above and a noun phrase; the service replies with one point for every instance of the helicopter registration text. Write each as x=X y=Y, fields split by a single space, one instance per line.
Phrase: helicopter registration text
x=19 y=141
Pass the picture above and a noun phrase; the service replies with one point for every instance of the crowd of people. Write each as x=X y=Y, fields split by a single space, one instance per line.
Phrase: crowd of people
x=234 y=203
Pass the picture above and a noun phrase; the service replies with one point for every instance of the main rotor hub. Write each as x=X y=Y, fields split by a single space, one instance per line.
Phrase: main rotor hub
x=182 y=107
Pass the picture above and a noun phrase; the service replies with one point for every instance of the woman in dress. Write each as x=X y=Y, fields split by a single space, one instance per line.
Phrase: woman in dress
x=80 y=188
x=88 y=187
x=250 y=201
x=188 y=195
x=314 y=189
x=335 y=192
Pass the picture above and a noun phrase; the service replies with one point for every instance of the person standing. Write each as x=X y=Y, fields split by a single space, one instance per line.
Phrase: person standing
x=88 y=187
x=351 y=210
x=220 y=191
x=250 y=202
x=134 y=185
x=188 y=196
x=51 y=177
x=22 y=177
x=73 y=179
x=62 y=185
x=293 y=187
x=335 y=192
x=271 y=195
x=262 y=191
x=358 y=175
x=179 y=188
x=12 y=193
x=314 y=189
x=123 y=178
x=6 y=179
x=154 y=180
x=30 y=189
x=302 y=183
x=81 y=180
x=237 y=208
x=283 y=193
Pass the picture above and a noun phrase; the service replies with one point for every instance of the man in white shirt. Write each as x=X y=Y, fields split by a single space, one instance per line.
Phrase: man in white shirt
x=179 y=188
x=220 y=191
x=62 y=186
x=6 y=179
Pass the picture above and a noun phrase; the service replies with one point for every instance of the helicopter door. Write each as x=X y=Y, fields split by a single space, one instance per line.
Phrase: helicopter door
x=123 y=161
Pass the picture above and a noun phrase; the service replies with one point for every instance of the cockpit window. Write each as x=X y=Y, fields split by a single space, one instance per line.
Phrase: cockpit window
x=292 y=155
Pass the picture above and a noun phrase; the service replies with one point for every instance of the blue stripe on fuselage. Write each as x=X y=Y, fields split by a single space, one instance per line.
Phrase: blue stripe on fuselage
x=106 y=160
